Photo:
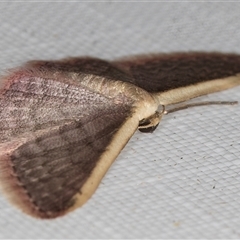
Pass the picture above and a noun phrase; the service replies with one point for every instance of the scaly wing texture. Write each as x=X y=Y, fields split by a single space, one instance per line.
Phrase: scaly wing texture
x=173 y=78
x=154 y=73
x=55 y=136
x=163 y=72
x=83 y=66
x=178 y=77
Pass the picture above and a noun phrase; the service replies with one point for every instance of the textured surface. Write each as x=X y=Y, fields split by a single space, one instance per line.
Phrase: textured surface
x=182 y=181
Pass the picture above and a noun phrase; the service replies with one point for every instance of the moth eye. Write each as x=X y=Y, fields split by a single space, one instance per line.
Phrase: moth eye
x=148 y=129
x=146 y=126
x=144 y=122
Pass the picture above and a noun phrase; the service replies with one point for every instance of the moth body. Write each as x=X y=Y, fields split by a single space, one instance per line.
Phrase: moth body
x=63 y=123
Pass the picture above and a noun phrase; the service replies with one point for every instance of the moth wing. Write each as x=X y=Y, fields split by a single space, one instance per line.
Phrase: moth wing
x=58 y=169
x=57 y=141
x=81 y=65
x=178 y=77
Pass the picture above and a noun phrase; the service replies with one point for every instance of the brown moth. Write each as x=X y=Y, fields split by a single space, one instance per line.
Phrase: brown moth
x=63 y=123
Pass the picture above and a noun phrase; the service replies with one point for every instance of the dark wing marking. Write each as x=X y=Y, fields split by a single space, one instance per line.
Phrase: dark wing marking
x=55 y=141
x=47 y=170
x=164 y=72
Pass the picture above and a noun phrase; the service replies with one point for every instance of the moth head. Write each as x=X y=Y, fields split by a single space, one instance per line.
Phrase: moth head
x=148 y=125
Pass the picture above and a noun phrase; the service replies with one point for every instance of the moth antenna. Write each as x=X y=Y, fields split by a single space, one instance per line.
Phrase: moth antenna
x=185 y=106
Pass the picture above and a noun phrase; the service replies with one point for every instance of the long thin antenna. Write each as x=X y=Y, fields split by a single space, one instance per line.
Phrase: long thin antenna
x=185 y=106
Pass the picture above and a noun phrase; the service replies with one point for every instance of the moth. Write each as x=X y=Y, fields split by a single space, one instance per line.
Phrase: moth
x=63 y=123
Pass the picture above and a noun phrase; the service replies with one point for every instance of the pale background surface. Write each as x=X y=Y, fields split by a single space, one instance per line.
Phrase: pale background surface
x=183 y=180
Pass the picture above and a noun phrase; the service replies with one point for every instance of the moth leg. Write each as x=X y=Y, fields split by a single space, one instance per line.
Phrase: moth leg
x=148 y=125
x=185 y=106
